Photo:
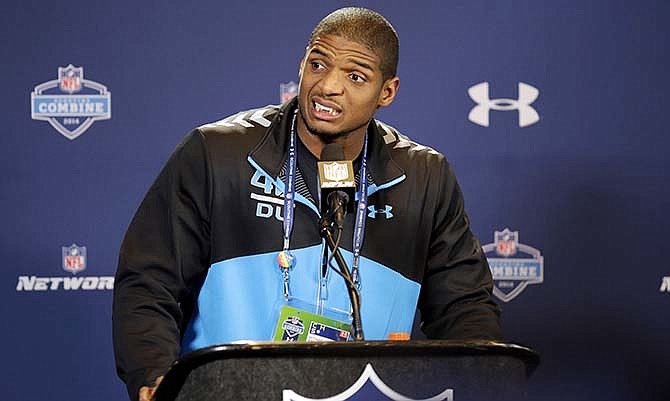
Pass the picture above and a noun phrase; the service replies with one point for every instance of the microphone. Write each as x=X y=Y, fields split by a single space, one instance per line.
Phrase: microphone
x=338 y=186
x=336 y=182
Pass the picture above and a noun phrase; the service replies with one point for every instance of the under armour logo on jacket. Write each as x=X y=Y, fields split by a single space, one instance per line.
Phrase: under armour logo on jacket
x=480 y=113
x=372 y=211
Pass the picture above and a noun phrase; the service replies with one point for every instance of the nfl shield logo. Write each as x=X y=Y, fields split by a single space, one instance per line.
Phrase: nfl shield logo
x=287 y=91
x=69 y=78
x=336 y=171
x=506 y=242
x=74 y=258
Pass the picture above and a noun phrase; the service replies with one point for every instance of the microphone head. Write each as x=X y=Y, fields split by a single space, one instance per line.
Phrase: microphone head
x=332 y=152
x=336 y=178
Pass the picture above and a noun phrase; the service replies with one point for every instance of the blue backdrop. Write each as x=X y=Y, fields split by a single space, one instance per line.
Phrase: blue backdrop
x=586 y=185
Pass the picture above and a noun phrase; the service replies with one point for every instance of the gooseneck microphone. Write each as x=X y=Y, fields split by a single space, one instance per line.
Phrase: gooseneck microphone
x=337 y=188
x=336 y=182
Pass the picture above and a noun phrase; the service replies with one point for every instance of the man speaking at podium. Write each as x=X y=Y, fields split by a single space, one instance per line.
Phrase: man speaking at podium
x=227 y=245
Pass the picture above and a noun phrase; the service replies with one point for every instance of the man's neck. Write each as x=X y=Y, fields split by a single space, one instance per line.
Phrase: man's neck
x=352 y=144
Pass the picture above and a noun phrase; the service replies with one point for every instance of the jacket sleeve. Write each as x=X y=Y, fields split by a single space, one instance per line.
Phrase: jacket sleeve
x=455 y=300
x=164 y=252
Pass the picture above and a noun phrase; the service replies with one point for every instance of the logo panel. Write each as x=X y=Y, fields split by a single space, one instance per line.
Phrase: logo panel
x=513 y=265
x=71 y=104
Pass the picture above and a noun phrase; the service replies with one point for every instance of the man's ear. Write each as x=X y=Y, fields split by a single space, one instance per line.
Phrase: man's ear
x=388 y=92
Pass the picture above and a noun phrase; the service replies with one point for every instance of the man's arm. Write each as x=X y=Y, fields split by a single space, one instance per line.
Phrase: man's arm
x=165 y=251
x=455 y=300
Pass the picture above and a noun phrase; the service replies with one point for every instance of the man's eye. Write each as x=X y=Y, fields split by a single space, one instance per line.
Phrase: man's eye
x=356 y=78
x=316 y=65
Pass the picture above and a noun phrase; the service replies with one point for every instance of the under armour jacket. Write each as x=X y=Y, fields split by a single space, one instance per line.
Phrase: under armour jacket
x=198 y=266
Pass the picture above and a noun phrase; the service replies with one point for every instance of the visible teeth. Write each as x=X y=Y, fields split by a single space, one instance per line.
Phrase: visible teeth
x=320 y=107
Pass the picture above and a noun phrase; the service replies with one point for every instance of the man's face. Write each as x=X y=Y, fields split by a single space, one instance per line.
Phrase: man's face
x=341 y=87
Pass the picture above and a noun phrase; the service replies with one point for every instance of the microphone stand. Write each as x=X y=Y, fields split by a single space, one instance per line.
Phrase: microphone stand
x=326 y=231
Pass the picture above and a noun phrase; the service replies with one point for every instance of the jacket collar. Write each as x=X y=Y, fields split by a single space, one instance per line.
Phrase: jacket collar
x=271 y=151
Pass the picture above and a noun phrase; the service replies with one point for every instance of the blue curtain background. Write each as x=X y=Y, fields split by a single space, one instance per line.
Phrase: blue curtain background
x=587 y=185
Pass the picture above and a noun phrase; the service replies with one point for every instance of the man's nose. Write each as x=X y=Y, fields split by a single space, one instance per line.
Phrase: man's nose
x=332 y=83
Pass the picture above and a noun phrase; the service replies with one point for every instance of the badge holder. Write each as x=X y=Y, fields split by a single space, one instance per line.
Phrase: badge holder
x=299 y=320
x=296 y=323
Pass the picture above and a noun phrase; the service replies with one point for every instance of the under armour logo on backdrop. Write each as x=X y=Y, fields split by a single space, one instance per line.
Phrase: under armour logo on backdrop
x=480 y=113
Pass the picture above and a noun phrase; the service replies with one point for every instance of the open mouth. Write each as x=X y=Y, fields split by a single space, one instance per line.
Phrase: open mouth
x=325 y=112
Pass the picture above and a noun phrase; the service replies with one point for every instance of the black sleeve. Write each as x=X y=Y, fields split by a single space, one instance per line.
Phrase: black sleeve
x=455 y=300
x=165 y=250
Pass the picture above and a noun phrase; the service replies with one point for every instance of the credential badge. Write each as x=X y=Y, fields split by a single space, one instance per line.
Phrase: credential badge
x=70 y=103
x=514 y=265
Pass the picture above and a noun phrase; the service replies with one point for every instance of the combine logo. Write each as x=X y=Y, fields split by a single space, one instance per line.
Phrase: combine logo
x=287 y=91
x=293 y=327
x=480 y=113
x=513 y=265
x=70 y=103
x=368 y=387
x=74 y=261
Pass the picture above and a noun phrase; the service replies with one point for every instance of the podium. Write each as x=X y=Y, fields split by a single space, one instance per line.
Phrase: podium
x=373 y=370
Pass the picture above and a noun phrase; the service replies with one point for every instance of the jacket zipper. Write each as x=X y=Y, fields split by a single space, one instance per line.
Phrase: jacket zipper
x=322 y=292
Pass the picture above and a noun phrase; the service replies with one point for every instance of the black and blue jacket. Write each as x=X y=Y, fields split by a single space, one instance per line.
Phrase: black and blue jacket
x=198 y=265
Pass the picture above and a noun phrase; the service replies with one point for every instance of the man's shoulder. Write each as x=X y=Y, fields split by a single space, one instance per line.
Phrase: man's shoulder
x=245 y=123
x=404 y=150
x=232 y=137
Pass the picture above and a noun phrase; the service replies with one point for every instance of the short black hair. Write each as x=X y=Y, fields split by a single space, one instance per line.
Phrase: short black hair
x=366 y=27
